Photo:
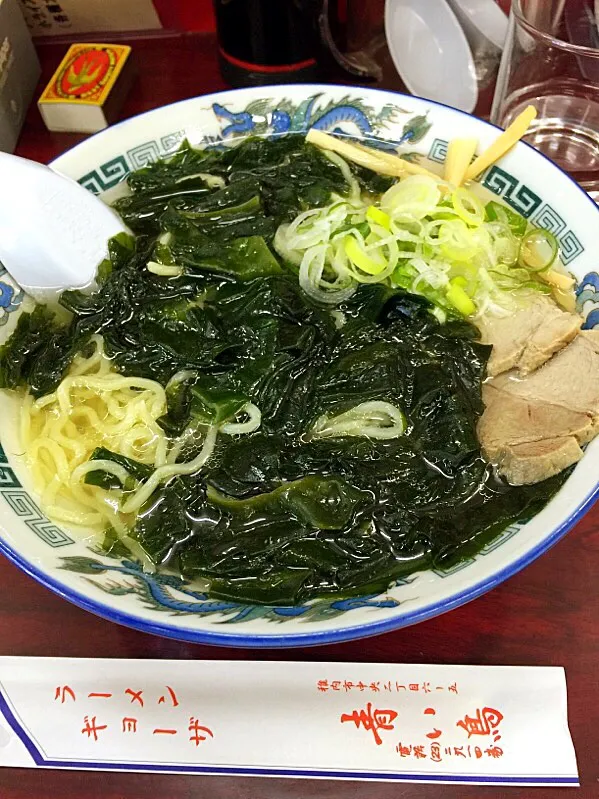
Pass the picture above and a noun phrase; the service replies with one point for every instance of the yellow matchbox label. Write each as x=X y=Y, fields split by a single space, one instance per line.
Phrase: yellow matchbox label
x=86 y=74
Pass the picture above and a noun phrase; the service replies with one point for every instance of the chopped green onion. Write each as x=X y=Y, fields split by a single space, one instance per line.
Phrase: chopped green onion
x=538 y=250
x=376 y=420
x=496 y=212
x=468 y=207
x=417 y=196
x=462 y=257
x=455 y=241
x=458 y=298
x=379 y=217
x=358 y=257
x=460 y=281
x=354 y=186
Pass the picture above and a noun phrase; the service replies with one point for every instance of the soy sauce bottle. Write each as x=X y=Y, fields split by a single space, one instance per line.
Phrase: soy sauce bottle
x=268 y=41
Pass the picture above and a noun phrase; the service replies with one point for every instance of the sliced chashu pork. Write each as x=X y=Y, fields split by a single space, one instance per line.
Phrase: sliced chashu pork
x=528 y=338
x=533 y=426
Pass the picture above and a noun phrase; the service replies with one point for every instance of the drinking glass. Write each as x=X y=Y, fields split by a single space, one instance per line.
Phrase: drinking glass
x=551 y=61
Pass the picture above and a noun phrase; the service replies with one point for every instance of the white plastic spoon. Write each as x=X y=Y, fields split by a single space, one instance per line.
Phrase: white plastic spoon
x=53 y=232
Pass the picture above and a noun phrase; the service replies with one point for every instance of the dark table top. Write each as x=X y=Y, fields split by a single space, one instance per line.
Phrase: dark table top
x=546 y=615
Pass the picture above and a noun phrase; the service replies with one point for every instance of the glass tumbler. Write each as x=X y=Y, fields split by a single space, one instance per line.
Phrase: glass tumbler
x=551 y=61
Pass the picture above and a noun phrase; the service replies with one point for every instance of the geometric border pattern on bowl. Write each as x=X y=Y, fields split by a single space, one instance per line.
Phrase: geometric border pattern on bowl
x=26 y=509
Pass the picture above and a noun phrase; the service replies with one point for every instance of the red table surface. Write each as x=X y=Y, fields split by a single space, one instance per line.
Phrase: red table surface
x=546 y=615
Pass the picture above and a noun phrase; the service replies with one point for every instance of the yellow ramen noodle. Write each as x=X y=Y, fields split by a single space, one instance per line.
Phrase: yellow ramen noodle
x=95 y=406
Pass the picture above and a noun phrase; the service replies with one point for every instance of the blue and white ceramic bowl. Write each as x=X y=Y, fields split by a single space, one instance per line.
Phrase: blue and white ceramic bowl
x=163 y=604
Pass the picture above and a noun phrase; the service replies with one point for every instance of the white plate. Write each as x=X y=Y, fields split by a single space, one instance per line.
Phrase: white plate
x=431 y=52
x=484 y=18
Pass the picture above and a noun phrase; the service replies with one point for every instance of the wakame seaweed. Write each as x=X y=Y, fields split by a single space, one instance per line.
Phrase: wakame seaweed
x=283 y=177
x=279 y=515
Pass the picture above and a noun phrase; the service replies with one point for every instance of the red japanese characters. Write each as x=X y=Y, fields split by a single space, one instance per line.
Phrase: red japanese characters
x=93 y=728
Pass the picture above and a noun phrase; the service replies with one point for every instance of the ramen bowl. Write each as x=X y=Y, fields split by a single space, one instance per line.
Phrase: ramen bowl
x=162 y=603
